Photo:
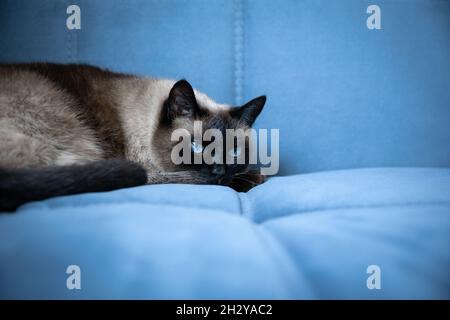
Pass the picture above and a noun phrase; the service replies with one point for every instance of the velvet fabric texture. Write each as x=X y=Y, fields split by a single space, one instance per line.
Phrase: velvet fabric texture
x=361 y=113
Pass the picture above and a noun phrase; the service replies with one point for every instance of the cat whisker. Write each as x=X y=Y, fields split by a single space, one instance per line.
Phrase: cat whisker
x=245 y=180
x=247 y=174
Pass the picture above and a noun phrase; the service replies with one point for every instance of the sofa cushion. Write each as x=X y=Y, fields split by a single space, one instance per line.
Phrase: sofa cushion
x=347 y=189
x=305 y=236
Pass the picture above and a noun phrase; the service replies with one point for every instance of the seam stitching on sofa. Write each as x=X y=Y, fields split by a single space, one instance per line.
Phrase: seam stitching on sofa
x=221 y=211
x=68 y=40
x=405 y=204
x=68 y=46
x=238 y=50
x=83 y=205
x=40 y=205
x=244 y=204
x=75 y=46
x=71 y=42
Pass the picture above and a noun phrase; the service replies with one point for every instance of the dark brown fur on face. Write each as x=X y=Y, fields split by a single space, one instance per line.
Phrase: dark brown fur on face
x=182 y=109
x=60 y=116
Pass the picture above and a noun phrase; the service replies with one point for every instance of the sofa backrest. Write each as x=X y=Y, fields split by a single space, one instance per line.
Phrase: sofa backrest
x=343 y=95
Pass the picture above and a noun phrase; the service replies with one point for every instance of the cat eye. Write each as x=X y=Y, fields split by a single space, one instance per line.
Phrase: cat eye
x=235 y=153
x=196 y=147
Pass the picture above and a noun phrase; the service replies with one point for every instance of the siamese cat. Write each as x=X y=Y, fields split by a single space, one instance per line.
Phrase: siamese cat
x=67 y=129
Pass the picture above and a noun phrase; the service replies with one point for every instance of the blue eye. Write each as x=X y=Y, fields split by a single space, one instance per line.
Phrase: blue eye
x=196 y=147
x=235 y=153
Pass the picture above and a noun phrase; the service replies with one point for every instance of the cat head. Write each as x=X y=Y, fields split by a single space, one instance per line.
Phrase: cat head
x=183 y=110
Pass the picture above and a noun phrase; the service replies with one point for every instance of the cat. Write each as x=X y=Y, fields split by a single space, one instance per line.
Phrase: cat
x=72 y=128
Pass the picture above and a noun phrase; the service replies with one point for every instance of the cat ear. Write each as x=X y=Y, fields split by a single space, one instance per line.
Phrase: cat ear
x=181 y=102
x=250 y=111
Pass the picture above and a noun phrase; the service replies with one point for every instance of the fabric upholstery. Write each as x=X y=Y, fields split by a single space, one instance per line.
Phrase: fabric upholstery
x=343 y=96
x=304 y=236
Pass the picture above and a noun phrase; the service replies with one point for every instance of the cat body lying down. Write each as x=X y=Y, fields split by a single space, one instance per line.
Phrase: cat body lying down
x=68 y=129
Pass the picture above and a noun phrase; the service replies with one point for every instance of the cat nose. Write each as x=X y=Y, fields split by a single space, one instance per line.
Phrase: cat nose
x=218 y=170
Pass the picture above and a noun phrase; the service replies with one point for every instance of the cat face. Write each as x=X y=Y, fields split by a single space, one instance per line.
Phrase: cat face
x=182 y=110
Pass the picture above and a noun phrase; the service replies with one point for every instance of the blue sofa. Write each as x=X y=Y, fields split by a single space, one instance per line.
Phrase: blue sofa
x=364 y=119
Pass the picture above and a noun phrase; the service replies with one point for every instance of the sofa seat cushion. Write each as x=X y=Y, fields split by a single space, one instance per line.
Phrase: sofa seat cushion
x=304 y=236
